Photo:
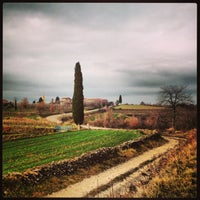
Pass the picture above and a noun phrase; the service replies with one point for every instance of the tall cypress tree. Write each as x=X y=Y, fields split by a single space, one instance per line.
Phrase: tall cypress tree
x=77 y=100
x=120 y=98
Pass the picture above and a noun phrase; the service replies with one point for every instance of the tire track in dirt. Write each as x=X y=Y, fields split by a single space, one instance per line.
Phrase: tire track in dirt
x=90 y=186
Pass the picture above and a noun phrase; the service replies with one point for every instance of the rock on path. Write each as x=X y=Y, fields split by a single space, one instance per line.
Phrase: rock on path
x=86 y=186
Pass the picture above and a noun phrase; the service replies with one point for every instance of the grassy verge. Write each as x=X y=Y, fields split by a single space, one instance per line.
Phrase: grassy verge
x=22 y=154
x=176 y=174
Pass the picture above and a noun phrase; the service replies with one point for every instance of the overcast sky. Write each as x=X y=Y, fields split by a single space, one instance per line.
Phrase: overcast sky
x=130 y=49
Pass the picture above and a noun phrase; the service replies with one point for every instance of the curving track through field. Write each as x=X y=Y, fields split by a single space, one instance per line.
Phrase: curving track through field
x=103 y=184
x=57 y=118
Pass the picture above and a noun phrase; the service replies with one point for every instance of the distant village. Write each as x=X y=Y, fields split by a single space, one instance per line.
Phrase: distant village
x=60 y=105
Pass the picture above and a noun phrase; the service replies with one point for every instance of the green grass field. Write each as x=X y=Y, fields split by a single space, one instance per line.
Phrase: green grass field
x=21 y=154
x=138 y=107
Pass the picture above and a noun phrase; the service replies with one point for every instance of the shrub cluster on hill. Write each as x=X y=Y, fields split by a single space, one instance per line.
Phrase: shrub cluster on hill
x=112 y=119
x=148 y=119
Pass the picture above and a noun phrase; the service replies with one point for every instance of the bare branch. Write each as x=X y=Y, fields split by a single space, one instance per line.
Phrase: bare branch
x=173 y=96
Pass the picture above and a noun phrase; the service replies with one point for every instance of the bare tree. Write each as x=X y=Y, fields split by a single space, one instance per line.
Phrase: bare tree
x=173 y=96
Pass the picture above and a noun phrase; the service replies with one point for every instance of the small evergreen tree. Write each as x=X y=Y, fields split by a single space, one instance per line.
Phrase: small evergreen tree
x=57 y=100
x=120 y=98
x=15 y=103
x=77 y=100
x=40 y=100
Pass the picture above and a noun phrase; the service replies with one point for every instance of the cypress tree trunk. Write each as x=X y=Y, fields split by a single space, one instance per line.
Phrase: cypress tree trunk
x=77 y=100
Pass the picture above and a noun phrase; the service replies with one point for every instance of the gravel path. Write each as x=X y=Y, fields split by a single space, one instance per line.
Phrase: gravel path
x=90 y=185
x=57 y=118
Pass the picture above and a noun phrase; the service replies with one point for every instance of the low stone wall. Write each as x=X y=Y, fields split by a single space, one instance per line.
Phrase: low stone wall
x=66 y=167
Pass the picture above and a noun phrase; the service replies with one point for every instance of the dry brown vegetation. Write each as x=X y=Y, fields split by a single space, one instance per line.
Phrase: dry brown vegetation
x=128 y=119
x=155 y=118
x=15 y=127
x=176 y=174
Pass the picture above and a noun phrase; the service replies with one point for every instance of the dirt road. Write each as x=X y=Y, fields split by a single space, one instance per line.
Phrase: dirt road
x=89 y=186
x=58 y=118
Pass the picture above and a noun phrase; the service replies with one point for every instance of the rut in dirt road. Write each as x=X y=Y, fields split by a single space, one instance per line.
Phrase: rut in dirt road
x=89 y=186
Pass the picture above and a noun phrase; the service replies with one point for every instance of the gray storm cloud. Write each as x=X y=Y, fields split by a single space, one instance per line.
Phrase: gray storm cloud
x=130 y=49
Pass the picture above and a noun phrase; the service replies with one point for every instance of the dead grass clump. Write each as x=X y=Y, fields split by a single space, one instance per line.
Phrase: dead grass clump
x=128 y=153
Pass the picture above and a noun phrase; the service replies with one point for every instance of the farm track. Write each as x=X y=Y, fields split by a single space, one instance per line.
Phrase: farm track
x=115 y=181
x=110 y=181
x=57 y=118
